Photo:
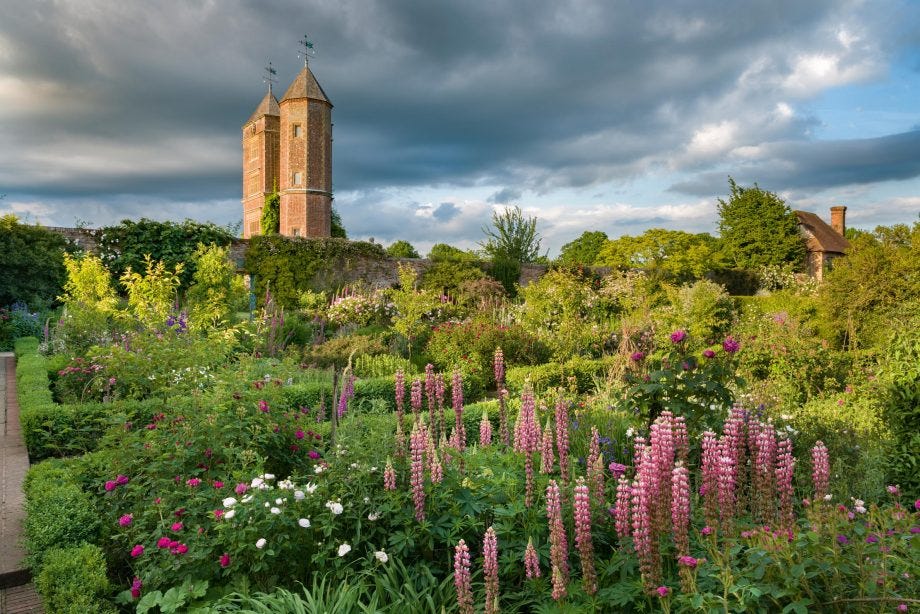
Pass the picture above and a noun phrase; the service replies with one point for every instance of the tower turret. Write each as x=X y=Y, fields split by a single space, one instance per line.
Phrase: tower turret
x=305 y=178
x=261 y=150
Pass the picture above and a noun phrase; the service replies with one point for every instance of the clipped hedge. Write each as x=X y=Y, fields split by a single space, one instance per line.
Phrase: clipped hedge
x=50 y=429
x=555 y=374
x=59 y=514
x=73 y=580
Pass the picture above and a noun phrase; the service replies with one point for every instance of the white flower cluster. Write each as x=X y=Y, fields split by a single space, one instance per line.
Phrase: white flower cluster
x=335 y=507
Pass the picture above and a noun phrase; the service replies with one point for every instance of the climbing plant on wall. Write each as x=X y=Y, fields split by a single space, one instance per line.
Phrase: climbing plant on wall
x=288 y=266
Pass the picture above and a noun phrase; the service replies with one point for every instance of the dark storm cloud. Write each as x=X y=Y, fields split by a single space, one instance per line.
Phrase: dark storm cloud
x=445 y=212
x=139 y=98
x=819 y=165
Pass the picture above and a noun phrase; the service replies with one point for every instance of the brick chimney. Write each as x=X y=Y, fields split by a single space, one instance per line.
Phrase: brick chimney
x=839 y=219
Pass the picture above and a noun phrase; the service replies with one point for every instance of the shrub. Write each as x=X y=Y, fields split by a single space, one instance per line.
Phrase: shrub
x=33 y=267
x=703 y=308
x=576 y=375
x=58 y=514
x=18 y=322
x=380 y=365
x=471 y=346
x=338 y=350
x=73 y=580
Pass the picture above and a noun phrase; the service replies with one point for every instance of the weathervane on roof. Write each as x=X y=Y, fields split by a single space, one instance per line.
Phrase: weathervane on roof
x=269 y=76
x=308 y=50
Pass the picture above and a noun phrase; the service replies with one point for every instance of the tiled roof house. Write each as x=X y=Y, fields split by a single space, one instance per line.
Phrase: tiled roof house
x=825 y=242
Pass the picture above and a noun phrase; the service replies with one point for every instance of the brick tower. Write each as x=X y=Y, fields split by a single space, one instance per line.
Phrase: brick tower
x=305 y=171
x=260 y=160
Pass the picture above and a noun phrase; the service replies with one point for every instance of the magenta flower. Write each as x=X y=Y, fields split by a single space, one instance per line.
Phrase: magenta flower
x=176 y=527
x=562 y=438
x=456 y=390
x=730 y=345
x=678 y=335
x=416 y=397
x=663 y=591
x=490 y=570
x=462 y=578
x=225 y=560
x=617 y=469
x=417 y=445
x=136 y=587
x=218 y=484
x=821 y=469
x=688 y=561
x=636 y=356
x=136 y=551
x=485 y=430
x=218 y=514
x=680 y=508
x=559 y=547
x=893 y=490
x=917 y=504
x=872 y=538
x=110 y=485
x=709 y=354
x=163 y=542
x=313 y=454
x=389 y=477
x=498 y=364
x=241 y=488
x=531 y=561
x=263 y=406
x=121 y=480
x=582 y=509
x=842 y=540
x=126 y=520
x=193 y=482
x=706 y=530
x=621 y=510
x=299 y=434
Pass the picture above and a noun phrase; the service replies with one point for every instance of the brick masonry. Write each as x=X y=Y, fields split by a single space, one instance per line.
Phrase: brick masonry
x=14 y=462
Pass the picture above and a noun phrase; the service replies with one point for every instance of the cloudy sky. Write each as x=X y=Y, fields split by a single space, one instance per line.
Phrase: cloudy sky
x=589 y=114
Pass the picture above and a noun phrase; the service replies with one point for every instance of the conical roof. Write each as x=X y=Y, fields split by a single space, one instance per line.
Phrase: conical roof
x=305 y=85
x=268 y=106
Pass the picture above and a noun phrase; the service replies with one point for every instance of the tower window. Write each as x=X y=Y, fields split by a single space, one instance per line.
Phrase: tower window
x=298 y=130
x=298 y=178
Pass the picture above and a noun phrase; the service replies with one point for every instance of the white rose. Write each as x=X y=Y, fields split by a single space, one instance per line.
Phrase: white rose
x=261 y=543
x=298 y=495
x=230 y=514
x=310 y=488
x=381 y=556
x=344 y=549
x=275 y=510
x=229 y=502
x=373 y=516
x=304 y=522
x=256 y=482
x=279 y=501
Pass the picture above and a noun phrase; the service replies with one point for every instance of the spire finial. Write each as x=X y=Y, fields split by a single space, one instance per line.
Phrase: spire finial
x=308 y=50
x=269 y=76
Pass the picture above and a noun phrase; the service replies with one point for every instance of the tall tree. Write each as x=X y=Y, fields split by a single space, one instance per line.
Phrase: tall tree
x=583 y=250
x=757 y=228
x=512 y=236
x=680 y=256
x=33 y=263
x=402 y=249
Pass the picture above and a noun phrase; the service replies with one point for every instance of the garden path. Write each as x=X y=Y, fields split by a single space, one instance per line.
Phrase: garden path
x=16 y=595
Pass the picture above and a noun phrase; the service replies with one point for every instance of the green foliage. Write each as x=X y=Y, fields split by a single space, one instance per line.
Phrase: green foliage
x=380 y=365
x=584 y=250
x=58 y=515
x=216 y=288
x=564 y=310
x=412 y=305
x=90 y=304
x=444 y=252
x=447 y=276
x=757 y=228
x=337 y=351
x=18 y=322
x=900 y=377
x=33 y=263
x=337 y=229
x=129 y=243
x=471 y=346
x=270 y=222
x=288 y=266
x=151 y=295
x=73 y=580
x=877 y=283
x=703 y=309
x=512 y=236
x=577 y=375
x=676 y=255
x=402 y=249
x=507 y=271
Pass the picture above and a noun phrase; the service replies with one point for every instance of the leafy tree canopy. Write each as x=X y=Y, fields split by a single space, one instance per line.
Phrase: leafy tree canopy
x=449 y=253
x=512 y=236
x=877 y=283
x=402 y=249
x=757 y=228
x=33 y=263
x=679 y=255
x=338 y=229
x=583 y=250
x=127 y=245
